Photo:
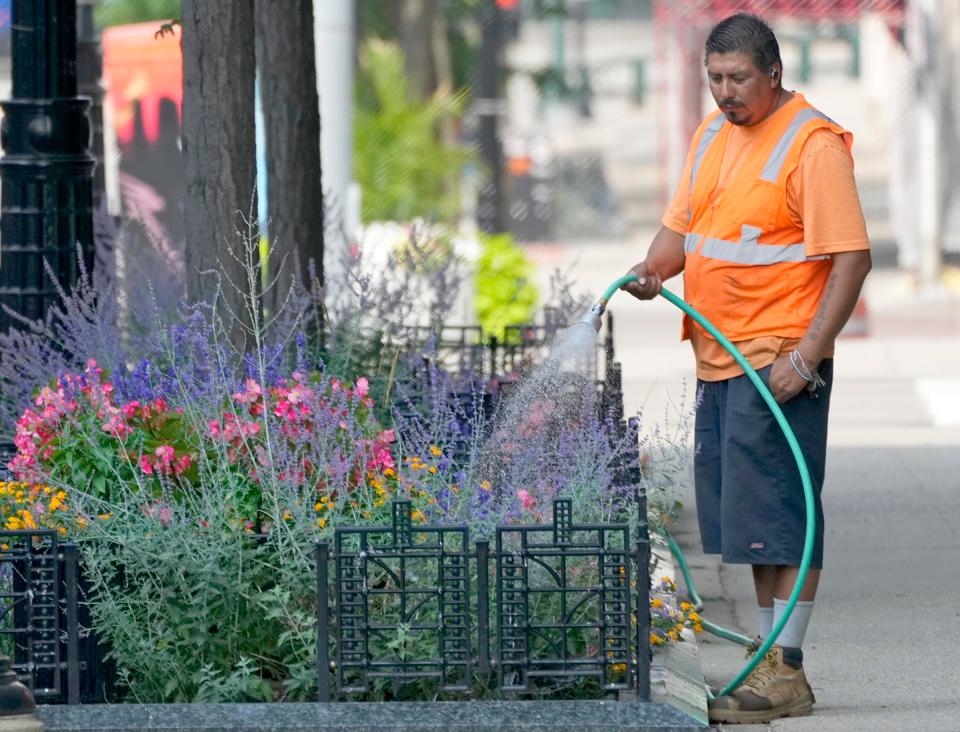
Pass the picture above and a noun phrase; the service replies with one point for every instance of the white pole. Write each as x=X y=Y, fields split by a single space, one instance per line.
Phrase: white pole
x=334 y=38
x=924 y=44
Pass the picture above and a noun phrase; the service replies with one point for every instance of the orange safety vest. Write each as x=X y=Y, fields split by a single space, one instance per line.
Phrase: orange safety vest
x=746 y=267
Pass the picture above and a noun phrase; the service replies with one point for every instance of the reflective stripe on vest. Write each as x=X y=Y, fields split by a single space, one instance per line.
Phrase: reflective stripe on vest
x=748 y=250
x=774 y=164
x=771 y=171
x=708 y=134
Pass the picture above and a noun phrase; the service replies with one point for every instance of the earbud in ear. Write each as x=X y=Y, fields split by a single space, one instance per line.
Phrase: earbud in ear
x=774 y=74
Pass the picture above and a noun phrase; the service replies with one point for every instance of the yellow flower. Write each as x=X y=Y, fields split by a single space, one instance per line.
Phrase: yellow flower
x=435 y=451
x=619 y=668
x=55 y=503
x=673 y=635
x=698 y=628
x=318 y=507
x=485 y=485
x=322 y=523
x=433 y=470
x=686 y=606
x=656 y=602
x=655 y=639
x=389 y=472
x=418 y=516
x=105 y=516
x=694 y=617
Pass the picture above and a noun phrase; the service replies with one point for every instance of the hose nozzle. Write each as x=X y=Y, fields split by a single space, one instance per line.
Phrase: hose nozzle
x=593 y=316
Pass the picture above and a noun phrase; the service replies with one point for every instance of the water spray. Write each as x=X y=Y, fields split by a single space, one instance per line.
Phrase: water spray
x=592 y=318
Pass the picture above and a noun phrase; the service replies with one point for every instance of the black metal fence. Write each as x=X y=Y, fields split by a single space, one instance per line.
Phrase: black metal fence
x=39 y=612
x=412 y=603
x=546 y=606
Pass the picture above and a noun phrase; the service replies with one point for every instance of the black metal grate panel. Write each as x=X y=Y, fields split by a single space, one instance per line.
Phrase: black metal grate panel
x=402 y=604
x=38 y=612
x=563 y=601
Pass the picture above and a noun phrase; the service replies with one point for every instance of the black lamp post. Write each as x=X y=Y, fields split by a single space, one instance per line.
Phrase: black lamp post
x=47 y=169
x=89 y=72
x=490 y=204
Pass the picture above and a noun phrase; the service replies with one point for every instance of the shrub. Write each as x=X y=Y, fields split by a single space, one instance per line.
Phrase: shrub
x=400 y=163
x=505 y=294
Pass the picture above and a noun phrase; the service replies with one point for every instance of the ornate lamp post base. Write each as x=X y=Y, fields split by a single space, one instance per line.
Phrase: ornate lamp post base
x=17 y=707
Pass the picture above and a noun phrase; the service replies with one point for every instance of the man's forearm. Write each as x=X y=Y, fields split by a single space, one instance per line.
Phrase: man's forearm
x=666 y=256
x=836 y=304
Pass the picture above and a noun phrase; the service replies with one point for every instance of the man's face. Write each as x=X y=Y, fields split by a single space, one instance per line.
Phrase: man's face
x=747 y=95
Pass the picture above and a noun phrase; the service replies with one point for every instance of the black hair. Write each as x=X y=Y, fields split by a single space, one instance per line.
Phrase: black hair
x=745 y=33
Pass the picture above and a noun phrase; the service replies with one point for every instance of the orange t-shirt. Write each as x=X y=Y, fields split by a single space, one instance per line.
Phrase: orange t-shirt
x=821 y=197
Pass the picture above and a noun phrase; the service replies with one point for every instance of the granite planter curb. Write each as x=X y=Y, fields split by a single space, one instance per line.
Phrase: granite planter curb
x=483 y=716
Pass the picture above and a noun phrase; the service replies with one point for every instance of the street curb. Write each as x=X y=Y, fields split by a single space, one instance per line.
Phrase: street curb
x=676 y=673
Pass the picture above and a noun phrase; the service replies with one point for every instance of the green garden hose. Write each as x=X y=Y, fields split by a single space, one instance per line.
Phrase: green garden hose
x=801 y=467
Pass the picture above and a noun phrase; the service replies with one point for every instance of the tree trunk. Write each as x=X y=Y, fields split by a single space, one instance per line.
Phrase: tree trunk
x=219 y=159
x=415 y=34
x=291 y=111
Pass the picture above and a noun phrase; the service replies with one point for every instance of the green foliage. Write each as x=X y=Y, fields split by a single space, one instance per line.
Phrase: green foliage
x=191 y=607
x=505 y=294
x=401 y=165
x=121 y=12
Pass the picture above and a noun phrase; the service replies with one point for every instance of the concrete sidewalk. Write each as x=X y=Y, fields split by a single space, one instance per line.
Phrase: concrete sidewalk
x=875 y=646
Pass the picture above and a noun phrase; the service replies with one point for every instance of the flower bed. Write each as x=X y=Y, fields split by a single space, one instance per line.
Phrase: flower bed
x=197 y=484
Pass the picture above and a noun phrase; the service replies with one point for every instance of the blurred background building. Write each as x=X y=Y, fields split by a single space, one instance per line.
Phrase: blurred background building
x=555 y=120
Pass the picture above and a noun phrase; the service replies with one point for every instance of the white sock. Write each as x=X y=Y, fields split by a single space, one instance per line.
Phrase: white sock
x=764 y=621
x=796 y=628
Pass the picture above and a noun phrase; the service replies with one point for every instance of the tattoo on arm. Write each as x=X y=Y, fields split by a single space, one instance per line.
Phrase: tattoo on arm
x=822 y=310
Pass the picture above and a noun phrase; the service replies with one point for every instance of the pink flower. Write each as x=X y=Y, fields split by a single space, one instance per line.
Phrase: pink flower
x=387 y=436
x=165 y=515
x=129 y=409
x=382 y=459
x=145 y=465
x=165 y=454
x=116 y=426
x=182 y=465
x=299 y=394
x=362 y=386
x=526 y=500
x=253 y=392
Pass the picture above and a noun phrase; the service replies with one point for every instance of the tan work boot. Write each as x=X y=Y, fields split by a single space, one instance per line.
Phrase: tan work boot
x=772 y=690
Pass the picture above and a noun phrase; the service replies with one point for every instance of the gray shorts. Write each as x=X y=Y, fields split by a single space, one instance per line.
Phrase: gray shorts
x=750 y=501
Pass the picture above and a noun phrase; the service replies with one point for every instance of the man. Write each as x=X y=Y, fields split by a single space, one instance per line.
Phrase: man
x=767 y=227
